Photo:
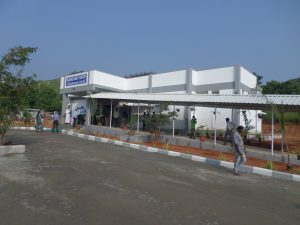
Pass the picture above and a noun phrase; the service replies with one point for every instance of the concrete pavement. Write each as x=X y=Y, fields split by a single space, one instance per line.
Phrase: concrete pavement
x=66 y=180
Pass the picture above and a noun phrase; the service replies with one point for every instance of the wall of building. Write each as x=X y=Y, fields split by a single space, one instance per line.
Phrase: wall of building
x=169 y=79
x=107 y=80
x=219 y=75
x=248 y=78
x=136 y=83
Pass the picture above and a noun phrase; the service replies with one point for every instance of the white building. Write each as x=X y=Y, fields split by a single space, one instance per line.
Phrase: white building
x=227 y=80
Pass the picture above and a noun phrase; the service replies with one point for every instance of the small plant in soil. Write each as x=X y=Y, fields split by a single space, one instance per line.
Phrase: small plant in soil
x=153 y=144
x=140 y=142
x=269 y=165
x=221 y=156
x=289 y=167
x=166 y=146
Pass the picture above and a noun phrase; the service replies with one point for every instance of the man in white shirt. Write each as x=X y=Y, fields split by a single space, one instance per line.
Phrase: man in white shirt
x=75 y=117
x=239 y=150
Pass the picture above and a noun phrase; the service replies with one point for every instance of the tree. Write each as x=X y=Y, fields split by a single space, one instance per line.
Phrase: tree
x=271 y=87
x=287 y=87
x=259 y=79
x=30 y=99
x=157 y=121
x=47 y=98
x=12 y=85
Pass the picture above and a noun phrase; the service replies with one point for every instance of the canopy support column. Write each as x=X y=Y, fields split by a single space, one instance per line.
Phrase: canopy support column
x=138 y=119
x=110 y=117
x=272 y=134
x=256 y=119
x=282 y=140
x=282 y=132
x=215 y=130
x=173 y=121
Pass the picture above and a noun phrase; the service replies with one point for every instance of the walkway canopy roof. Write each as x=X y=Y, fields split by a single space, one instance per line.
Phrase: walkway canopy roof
x=256 y=102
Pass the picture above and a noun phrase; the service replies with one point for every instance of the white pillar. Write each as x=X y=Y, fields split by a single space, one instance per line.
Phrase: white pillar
x=282 y=133
x=110 y=118
x=194 y=110
x=282 y=140
x=256 y=121
x=173 y=121
x=215 y=136
x=88 y=112
x=138 y=119
x=272 y=133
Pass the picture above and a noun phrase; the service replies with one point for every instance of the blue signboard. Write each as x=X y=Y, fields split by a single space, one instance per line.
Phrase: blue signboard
x=76 y=80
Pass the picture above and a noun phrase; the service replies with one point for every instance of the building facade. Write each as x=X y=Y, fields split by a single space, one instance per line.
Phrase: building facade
x=226 y=80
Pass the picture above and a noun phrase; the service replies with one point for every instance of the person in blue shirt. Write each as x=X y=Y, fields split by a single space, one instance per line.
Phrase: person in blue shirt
x=81 y=115
x=55 y=122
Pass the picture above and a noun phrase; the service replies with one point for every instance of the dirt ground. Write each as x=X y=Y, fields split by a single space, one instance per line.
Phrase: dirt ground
x=292 y=135
x=225 y=157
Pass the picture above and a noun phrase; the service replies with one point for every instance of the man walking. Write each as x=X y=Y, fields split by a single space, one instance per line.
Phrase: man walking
x=239 y=150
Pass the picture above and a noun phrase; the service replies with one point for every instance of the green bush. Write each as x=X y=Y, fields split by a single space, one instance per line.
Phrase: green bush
x=27 y=116
x=269 y=165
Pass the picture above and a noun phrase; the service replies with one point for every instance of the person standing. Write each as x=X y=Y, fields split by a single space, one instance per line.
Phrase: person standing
x=239 y=150
x=81 y=116
x=55 y=122
x=229 y=131
x=68 y=115
x=144 y=121
x=115 y=118
x=75 y=117
x=193 y=122
x=39 y=122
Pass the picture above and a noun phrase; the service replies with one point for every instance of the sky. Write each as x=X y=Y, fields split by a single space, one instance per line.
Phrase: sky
x=124 y=37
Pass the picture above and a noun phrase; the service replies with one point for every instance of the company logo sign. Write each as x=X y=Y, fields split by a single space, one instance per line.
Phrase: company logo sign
x=76 y=80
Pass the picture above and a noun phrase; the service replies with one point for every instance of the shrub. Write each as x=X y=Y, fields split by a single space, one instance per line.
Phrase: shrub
x=166 y=146
x=269 y=165
x=27 y=116
x=222 y=157
x=153 y=144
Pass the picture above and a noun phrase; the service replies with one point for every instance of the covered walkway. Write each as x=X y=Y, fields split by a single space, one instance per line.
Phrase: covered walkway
x=279 y=103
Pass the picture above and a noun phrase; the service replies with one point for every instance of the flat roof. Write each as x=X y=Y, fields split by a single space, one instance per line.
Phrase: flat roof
x=285 y=103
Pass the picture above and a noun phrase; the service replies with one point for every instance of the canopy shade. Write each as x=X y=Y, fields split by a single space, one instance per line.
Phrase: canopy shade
x=256 y=102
